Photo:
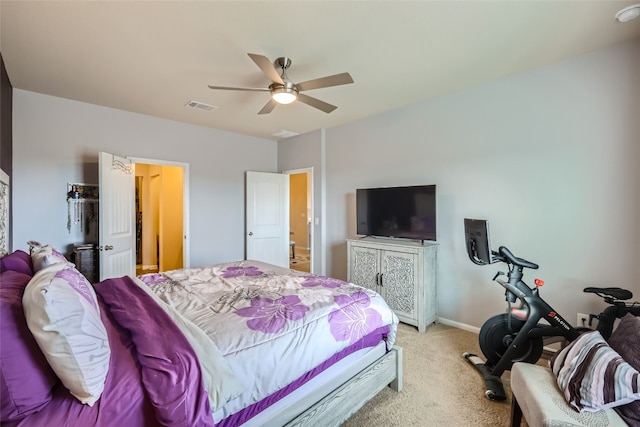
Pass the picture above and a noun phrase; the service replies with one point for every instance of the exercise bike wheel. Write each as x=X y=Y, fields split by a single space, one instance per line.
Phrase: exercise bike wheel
x=496 y=337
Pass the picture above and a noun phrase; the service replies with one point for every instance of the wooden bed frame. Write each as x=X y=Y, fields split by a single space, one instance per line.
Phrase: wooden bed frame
x=342 y=402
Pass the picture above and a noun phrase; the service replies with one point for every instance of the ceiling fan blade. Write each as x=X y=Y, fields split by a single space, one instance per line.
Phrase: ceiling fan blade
x=316 y=103
x=335 y=80
x=254 y=89
x=267 y=67
x=268 y=107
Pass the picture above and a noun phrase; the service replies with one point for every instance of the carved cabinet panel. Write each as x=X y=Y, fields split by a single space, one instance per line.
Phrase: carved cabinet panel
x=399 y=282
x=366 y=263
x=404 y=273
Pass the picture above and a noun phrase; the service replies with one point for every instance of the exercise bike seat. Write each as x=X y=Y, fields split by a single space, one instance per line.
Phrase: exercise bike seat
x=512 y=259
x=617 y=293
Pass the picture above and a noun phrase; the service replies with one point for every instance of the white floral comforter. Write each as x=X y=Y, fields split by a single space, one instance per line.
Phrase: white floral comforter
x=271 y=324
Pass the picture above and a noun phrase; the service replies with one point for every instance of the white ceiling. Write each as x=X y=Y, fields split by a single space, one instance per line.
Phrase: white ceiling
x=152 y=57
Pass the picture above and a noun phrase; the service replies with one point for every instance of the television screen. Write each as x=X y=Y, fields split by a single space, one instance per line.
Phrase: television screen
x=405 y=212
x=478 y=242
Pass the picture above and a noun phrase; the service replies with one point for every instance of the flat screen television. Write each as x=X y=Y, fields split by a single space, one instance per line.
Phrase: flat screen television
x=407 y=212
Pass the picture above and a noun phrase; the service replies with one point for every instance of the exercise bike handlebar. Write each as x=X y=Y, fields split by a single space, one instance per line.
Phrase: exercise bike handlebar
x=505 y=255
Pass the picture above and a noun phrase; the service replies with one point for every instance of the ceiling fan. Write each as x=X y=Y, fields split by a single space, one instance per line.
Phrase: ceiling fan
x=283 y=91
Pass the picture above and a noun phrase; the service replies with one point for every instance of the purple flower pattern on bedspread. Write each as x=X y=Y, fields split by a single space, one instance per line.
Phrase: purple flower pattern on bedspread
x=249 y=309
x=272 y=304
x=325 y=282
x=241 y=271
x=152 y=278
x=271 y=315
x=354 y=319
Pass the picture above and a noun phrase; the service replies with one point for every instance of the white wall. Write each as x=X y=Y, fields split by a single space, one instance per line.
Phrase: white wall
x=549 y=157
x=56 y=141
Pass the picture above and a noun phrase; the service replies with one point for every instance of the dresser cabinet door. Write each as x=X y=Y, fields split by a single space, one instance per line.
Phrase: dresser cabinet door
x=399 y=282
x=404 y=273
x=365 y=267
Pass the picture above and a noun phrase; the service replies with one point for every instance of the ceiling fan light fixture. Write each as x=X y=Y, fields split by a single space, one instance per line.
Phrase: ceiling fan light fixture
x=283 y=97
x=283 y=94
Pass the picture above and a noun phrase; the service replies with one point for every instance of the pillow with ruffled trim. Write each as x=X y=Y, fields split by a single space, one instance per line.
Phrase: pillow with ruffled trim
x=44 y=255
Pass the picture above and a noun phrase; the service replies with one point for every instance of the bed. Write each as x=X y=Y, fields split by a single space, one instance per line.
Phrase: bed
x=241 y=343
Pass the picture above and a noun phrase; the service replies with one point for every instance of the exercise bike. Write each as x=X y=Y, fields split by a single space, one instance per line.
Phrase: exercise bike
x=618 y=307
x=517 y=335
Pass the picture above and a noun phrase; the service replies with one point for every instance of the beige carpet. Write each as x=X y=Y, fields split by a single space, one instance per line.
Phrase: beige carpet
x=441 y=388
x=301 y=262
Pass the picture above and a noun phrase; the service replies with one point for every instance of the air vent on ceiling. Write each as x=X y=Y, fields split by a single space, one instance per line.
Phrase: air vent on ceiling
x=284 y=134
x=200 y=106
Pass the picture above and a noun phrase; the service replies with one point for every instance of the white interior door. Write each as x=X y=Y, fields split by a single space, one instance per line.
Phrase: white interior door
x=267 y=218
x=117 y=241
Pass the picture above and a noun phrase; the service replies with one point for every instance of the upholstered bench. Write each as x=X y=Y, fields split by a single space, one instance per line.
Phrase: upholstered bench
x=537 y=397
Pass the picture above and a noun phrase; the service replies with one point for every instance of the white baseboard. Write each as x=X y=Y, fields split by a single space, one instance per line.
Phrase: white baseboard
x=459 y=325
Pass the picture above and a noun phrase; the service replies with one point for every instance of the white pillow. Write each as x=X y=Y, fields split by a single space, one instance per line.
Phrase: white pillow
x=64 y=317
x=44 y=255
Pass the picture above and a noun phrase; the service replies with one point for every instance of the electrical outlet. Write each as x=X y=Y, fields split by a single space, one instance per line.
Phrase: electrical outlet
x=583 y=320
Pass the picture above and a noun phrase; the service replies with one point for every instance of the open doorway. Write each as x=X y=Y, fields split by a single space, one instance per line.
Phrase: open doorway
x=160 y=217
x=300 y=217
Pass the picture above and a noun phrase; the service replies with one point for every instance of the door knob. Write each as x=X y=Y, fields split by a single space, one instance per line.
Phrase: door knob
x=251 y=233
x=108 y=247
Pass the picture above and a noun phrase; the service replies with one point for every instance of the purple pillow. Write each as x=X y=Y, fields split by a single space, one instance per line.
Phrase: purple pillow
x=17 y=261
x=625 y=340
x=26 y=380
